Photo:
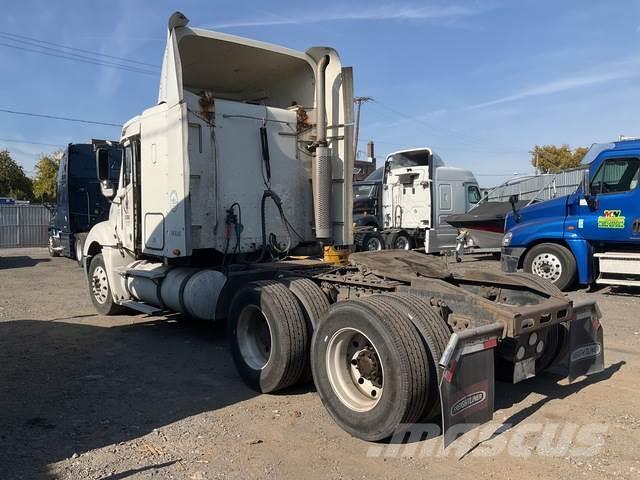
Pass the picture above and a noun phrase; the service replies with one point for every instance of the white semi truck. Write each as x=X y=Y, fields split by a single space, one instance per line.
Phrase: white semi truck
x=416 y=195
x=234 y=202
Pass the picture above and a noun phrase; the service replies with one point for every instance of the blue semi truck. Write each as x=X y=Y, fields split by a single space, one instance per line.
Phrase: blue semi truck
x=591 y=236
x=79 y=202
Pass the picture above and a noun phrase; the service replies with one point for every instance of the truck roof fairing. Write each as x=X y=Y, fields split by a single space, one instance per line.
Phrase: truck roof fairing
x=237 y=68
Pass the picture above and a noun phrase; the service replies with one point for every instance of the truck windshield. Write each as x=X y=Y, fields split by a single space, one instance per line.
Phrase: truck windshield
x=409 y=159
x=362 y=191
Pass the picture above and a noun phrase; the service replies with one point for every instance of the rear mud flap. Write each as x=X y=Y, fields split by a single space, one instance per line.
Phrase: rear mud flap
x=468 y=381
x=586 y=342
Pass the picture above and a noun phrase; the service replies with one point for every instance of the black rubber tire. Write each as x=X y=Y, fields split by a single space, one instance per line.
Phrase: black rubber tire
x=79 y=242
x=401 y=352
x=435 y=334
x=289 y=335
x=567 y=262
x=314 y=305
x=363 y=239
x=542 y=284
x=314 y=301
x=393 y=238
x=109 y=307
x=419 y=358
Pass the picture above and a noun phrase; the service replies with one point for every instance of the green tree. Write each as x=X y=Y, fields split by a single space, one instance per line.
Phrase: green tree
x=44 y=183
x=13 y=181
x=553 y=158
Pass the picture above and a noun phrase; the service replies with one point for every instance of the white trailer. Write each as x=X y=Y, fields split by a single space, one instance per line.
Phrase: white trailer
x=234 y=202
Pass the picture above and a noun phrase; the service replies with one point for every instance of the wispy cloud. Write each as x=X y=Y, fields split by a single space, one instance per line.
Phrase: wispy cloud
x=561 y=85
x=379 y=13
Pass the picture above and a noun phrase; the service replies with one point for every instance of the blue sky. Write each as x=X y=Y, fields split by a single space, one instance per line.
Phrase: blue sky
x=480 y=82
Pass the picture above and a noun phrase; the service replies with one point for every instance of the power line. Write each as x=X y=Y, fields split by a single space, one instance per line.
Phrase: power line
x=45 y=42
x=67 y=119
x=10 y=140
x=459 y=136
x=70 y=56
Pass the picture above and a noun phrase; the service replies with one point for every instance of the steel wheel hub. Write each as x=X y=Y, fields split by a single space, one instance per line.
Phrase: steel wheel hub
x=100 y=285
x=254 y=337
x=354 y=369
x=547 y=265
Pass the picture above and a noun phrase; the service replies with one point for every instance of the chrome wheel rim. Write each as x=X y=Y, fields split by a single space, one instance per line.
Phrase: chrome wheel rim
x=548 y=266
x=100 y=285
x=78 y=252
x=374 y=244
x=354 y=369
x=254 y=337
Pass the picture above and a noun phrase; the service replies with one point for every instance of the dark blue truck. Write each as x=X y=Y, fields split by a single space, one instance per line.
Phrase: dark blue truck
x=80 y=204
x=591 y=236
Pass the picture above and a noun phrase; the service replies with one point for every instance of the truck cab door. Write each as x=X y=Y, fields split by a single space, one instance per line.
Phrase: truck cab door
x=611 y=213
x=126 y=196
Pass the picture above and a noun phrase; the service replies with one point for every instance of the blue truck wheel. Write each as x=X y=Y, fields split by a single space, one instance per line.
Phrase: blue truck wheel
x=552 y=262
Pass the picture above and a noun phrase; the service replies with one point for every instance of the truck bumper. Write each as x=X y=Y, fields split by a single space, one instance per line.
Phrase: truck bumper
x=510 y=258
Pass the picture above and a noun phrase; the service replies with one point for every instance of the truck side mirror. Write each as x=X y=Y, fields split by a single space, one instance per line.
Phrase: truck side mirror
x=103 y=170
x=586 y=184
x=513 y=199
x=592 y=200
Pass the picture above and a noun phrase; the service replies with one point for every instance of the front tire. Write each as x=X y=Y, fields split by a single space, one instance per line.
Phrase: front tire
x=79 y=244
x=99 y=288
x=52 y=251
x=552 y=262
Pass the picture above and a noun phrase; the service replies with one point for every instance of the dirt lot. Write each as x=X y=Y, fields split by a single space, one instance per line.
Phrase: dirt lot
x=85 y=396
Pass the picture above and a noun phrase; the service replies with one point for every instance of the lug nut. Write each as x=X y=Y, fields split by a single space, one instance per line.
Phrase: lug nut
x=540 y=347
x=533 y=338
x=520 y=353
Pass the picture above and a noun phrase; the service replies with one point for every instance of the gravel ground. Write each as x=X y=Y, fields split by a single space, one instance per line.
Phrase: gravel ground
x=89 y=397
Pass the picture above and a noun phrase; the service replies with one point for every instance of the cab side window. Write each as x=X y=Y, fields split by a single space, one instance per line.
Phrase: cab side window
x=128 y=165
x=473 y=194
x=616 y=175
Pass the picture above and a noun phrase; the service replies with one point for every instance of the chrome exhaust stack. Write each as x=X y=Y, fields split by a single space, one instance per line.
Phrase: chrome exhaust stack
x=322 y=165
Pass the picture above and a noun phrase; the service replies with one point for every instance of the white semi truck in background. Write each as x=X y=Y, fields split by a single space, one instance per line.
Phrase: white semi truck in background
x=416 y=194
x=234 y=202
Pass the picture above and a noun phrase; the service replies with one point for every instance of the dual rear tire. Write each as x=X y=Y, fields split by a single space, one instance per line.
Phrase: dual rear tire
x=374 y=360
x=374 y=363
x=269 y=325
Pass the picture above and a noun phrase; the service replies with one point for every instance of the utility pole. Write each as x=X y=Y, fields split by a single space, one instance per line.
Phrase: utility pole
x=358 y=101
